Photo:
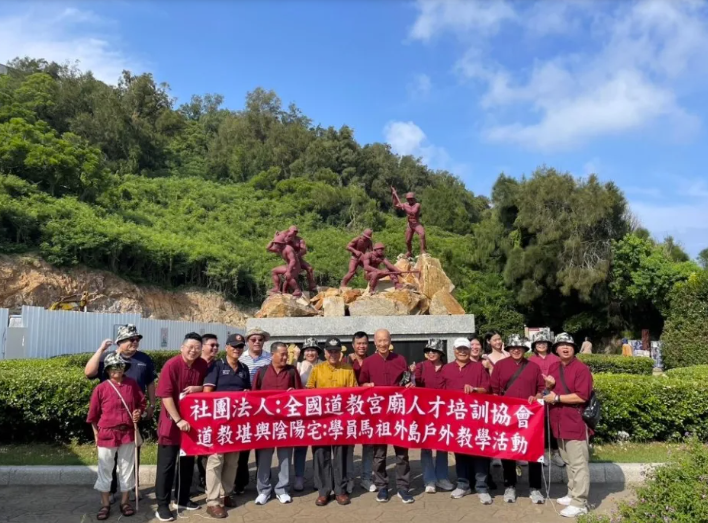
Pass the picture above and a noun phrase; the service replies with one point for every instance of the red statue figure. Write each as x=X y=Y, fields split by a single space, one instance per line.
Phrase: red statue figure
x=358 y=247
x=301 y=249
x=412 y=210
x=372 y=261
x=291 y=248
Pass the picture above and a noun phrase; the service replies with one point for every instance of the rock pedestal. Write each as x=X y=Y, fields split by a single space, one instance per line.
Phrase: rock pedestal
x=427 y=291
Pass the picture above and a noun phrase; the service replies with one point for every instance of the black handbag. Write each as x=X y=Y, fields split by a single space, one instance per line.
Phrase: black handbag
x=592 y=412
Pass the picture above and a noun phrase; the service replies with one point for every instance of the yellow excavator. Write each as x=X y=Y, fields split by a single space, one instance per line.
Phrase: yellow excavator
x=73 y=302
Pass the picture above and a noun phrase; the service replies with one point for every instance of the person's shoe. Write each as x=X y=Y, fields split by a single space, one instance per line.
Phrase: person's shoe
x=131 y=495
x=299 y=485
x=460 y=493
x=573 y=512
x=557 y=460
x=565 y=501
x=430 y=488
x=284 y=498
x=445 y=485
x=382 y=496
x=191 y=505
x=343 y=499
x=536 y=497
x=496 y=462
x=113 y=498
x=322 y=501
x=229 y=502
x=350 y=486
x=216 y=511
x=510 y=495
x=485 y=498
x=367 y=484
x=164 y=514
x=239 y=491
x=262 y=499
x=405 y=496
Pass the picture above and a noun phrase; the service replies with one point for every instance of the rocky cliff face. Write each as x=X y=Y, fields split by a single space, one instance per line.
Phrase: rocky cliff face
x=26 y=280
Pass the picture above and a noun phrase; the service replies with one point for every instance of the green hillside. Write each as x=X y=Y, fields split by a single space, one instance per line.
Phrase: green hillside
x=122 y=178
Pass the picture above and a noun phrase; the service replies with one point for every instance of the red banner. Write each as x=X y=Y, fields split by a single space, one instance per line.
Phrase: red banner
x=479 y=424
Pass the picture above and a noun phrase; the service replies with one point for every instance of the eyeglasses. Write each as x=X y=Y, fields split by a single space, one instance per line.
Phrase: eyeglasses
x=133 y=340
x=256 y=339
x=213 y=345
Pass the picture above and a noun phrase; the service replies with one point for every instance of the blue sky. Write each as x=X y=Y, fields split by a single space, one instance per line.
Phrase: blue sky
x=475 y=87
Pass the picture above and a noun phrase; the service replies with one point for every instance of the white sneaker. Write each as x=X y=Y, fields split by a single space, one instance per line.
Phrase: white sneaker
x=573 y=512
x=536 y=497
x=565 y=501
x=557 y=460
x=485 y=499
x=284 y=498
x=262 y=499
x=430 y=489
x=445 y=485
x=299 y=485
x=367 y=484
x=350 y=486
x=510 y=495
x=460 y=493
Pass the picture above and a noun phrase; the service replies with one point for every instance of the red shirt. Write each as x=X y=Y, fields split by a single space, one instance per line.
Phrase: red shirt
x=567 y=420
x=545 y=363
x=356 y=366
x=176 y=376
x=428 y=375
x=528 y=383
x=455 y=377
x=383 y=372
x=288 y=378
x=107 y=410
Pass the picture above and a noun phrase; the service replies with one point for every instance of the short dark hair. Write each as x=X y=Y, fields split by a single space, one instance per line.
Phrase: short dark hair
x=475 y=336
x=193 y=336
x=276 y=345
x=359 y=335
x=207 y=337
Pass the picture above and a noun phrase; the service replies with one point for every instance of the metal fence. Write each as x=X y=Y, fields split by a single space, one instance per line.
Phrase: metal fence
x=48 y=333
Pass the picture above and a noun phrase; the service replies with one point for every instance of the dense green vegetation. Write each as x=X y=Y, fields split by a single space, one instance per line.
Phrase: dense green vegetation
x=121 y=178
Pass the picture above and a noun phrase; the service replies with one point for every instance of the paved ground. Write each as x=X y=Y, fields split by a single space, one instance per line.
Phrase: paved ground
x=79 y=504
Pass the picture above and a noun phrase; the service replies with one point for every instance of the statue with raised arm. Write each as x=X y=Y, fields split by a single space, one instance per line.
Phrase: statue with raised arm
x=372 y=261
x=412 y=210
x=357 y=247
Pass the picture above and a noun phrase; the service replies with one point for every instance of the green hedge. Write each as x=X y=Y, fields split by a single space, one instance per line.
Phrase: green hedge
x=601 y=363
x=79 y=361
x=697 y=372
x=44 y=403
x=676 y=493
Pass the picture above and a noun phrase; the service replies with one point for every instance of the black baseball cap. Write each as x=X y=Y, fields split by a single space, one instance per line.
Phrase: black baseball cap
x=235 y=340
x=333 y=344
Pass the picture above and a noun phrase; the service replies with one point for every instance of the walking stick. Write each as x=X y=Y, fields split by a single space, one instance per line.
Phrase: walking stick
x=135 y=468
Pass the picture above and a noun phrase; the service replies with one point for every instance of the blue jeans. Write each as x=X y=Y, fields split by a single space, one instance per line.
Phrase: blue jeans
x=472 y=472
x=438 y=471
x=300 y=456
x=367 y=461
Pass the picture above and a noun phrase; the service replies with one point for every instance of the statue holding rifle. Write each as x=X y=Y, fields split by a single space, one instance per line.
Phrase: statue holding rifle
x=412 y=210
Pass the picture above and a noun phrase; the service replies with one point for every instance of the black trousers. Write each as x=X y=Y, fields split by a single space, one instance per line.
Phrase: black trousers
x=167 y=463
x=472 y=472
x=403 y=467
x=330 y=467
x=242 y=476
x=114 y=480
x=535 y=474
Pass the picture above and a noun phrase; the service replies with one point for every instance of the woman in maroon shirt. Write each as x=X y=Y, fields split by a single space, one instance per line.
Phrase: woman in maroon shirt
x=116 y=405
x=428 y=375
x=469 y=377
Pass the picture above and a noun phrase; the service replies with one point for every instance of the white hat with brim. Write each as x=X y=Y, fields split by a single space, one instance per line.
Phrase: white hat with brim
x=257 y=332
x=462 y=343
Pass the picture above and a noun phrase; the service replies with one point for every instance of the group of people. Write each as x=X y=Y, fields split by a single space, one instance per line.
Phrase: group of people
x=552 y=374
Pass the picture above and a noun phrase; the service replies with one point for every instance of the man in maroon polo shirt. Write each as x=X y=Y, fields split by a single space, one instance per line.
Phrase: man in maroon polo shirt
x=471 y=377
x=570 y=385
x=517 y=378
x=385 y=369
x=183 y=374
x=276 y=376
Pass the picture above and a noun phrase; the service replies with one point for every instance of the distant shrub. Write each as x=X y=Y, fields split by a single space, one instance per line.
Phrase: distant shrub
x=601 y=363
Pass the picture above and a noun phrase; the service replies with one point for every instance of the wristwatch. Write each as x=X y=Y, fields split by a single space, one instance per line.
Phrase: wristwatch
x=558 y=398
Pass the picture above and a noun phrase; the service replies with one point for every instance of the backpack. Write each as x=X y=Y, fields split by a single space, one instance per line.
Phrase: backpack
x=592 y=411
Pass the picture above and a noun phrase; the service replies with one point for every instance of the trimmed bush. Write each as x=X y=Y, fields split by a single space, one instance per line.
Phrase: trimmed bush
x=696 y=372
x=601 y=363
x=676 y=492
x=79 y=361
x=685 y=334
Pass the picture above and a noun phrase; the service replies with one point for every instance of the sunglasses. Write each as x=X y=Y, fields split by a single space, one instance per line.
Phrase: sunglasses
x=132 y=340
x=213 y=345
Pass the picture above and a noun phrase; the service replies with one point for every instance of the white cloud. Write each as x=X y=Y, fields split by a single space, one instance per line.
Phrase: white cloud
x=460 y=16
x=627 y=73
x=687 y=222
x=66 y=36
x=406 y=138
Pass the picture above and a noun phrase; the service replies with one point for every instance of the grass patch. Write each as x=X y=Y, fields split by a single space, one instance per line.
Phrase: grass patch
x=82 y=454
